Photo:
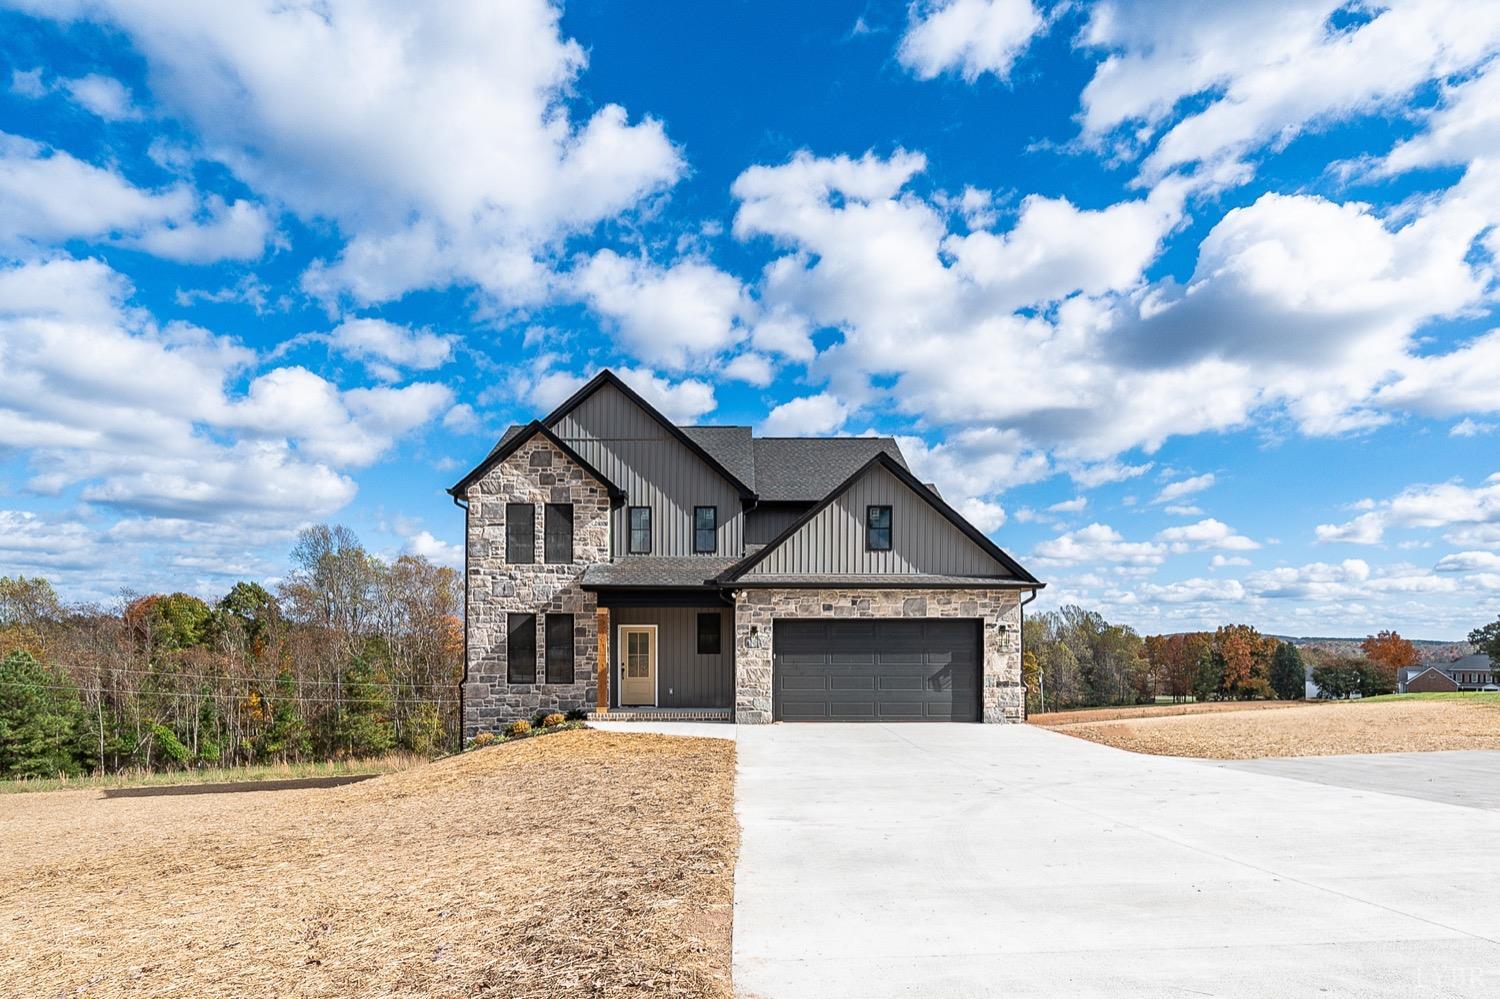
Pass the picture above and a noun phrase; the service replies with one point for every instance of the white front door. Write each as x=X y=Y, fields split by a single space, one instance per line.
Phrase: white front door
x=637 y=665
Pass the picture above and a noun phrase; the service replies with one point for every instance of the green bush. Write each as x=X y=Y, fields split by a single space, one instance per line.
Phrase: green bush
x=577 y=714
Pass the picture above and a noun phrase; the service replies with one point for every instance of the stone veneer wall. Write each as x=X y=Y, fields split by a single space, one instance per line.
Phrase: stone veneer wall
x=536 y=473
x=1003 y=692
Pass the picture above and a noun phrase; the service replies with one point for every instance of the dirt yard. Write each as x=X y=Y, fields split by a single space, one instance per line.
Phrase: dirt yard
x=1321 y=729
x=582 y=863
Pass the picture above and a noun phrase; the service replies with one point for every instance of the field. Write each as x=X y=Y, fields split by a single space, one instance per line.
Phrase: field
x=1247 y=730
x=580 y=863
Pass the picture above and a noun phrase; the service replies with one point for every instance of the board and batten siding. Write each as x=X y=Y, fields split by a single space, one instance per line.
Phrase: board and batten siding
x=923 y=541
x=685 y=679
x=654 y=469
x=764 y=523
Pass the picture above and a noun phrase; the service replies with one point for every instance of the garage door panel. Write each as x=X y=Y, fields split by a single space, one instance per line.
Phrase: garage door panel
x=876 y=670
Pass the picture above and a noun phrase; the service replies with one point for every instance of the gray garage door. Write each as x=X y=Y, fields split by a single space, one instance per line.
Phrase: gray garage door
x=882 y=670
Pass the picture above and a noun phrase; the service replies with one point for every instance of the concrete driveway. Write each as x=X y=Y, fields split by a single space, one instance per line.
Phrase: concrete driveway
x=969 y=860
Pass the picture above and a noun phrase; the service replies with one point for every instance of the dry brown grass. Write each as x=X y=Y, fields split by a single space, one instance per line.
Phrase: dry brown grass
x=1052 y=719
x=585 y=862
x=1329 y=729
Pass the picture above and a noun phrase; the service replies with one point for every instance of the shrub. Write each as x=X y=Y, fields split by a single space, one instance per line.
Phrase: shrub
x=577 y=714
x=518 y=729
x=552 y=720
x=481 y=740
x=538 y=718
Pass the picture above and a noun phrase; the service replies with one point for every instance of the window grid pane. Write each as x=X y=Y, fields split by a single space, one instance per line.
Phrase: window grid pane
x=709 y=640
x=705 y=530
x=878 y=528
x=520 y=533
x=640 y=530
x=558 y=543
x=520 y=648
x=560 y=648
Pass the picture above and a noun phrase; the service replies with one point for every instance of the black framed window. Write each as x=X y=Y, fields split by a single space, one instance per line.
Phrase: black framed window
x=557 y=532
x=878 y=528
x=559 y=648
x=520 y=533
x=640 y=530
x=705 y=530
x=709 y=637
x=520 y=648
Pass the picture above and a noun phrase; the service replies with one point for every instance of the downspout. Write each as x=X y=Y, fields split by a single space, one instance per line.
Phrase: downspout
x=1021 y=641
x=464 y=682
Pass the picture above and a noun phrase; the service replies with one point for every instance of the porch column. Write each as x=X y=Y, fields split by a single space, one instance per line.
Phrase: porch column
x=601 y=619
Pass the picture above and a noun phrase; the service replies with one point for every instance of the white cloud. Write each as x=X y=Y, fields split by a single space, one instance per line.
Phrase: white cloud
x=1104 y=472
x=1193 y=591
x=1470 y=428
x=1465 y=126
x=970 y=36
x=1263 y=73
x=28 y=83
x=1182 y=510
x=1098 y=543
x=435 y=549
x=686 y=401
x=986 y=515
x=1074 y=505
x=461 y=419
x=751 y=368
x=1469 y=562
x=1184 y=487
x=438 y=138
x=103 y=95
x=387 y=348
x=975 y=464
x=677 y=317
x=1206 y=535
x=1446 y=504
x=172 y=439
x=48 y=196
x=1227 y=561
x=808 y=416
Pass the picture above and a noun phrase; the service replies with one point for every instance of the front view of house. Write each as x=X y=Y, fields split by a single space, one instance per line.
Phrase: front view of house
x=620 y=564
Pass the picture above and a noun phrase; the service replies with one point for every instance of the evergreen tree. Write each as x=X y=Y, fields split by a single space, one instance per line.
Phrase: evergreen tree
x=41 y=720
x=363 y=726
x=286 y=736
x=1288 y=673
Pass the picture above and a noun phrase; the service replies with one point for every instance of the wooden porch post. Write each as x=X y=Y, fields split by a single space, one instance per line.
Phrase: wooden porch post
x=601 y=618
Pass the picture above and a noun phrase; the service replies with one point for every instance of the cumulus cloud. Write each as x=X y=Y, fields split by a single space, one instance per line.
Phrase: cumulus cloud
x=388 y=348
x=48 y=196
x=435 y=549
x=440 y=139
x=1098 y=543
x=103 y=95
x=1184 y=487
x=1206 y=535
x=1447 y=504
x=1262 y=73
x=972 y=37
x=172 y=439
x=808 y=416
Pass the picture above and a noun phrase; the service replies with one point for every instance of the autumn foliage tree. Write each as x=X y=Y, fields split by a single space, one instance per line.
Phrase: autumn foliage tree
x=1387 y=653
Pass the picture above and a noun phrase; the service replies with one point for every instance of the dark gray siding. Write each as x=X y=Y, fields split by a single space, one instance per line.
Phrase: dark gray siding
x=655 y=469
x=686 y=679
x=763 y=523
x=923 y=541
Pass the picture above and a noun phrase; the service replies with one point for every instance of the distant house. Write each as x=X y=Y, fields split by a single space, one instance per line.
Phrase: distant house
x=1472 y=672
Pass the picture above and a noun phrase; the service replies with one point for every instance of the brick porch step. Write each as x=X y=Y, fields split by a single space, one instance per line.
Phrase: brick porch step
x=663 y=714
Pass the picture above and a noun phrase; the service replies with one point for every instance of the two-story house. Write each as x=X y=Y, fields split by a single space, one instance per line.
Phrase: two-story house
x=620 y=564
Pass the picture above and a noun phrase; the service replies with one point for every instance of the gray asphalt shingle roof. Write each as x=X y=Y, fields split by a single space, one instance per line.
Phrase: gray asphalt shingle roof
x=805 y=469
x=730 y=446
x=652 y=570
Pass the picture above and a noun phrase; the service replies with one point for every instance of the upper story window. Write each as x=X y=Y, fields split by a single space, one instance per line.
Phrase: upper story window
x=520 y=533
x=705 y=530
x=878 y=528
x=640 y=531
x=557 y=541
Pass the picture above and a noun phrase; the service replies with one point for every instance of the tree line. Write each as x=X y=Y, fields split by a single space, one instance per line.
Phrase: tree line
x=1075 y=658
x=352 y=655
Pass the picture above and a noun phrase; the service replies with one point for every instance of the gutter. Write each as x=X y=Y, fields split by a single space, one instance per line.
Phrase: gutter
x=464 y=681
x=1021 y=644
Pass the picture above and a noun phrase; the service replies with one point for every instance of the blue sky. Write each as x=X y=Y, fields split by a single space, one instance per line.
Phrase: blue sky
x=1192 y=308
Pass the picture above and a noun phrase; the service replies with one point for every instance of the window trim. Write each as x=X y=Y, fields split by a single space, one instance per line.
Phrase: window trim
x=889 y=528
x=547 y=511
x=510 y=650
x=718 y=620
x=510 y=522
x=630 y=548
x=713 y=549
x=571 y=648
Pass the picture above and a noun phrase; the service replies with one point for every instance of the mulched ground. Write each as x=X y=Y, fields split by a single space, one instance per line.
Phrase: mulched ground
x=1309 y=729
x=582 y=863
